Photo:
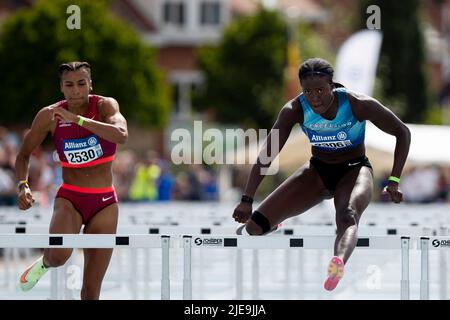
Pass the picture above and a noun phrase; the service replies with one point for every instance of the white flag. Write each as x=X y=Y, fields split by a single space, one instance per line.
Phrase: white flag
x=357 y=59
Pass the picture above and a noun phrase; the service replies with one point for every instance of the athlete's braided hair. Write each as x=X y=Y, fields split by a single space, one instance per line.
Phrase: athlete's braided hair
x=73 y=66
x=317 y=67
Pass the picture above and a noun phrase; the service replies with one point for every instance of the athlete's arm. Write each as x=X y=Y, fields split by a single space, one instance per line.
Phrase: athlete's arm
x=109 y=109
x=367 y=108
x=33 y=138
x=113 y=126
x=287 y=118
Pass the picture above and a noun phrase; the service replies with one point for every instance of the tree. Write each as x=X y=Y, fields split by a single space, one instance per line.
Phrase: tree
x=402 y=59
x=34 y=42
x=244 y=74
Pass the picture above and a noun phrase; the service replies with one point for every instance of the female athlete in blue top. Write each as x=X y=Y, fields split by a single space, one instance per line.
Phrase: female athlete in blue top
x=334 y=119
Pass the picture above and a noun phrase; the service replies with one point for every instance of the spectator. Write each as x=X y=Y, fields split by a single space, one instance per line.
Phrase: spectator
x=144 y=185
x=165 y=183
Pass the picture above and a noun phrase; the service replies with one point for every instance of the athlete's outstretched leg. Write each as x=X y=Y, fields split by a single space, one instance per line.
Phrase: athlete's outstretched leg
x=298 y=193
x=96 y=261
x=65 y=219
x=352 y=196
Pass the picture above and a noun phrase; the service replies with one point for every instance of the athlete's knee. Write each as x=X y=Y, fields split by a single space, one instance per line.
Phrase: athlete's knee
x=252 y=228
x=347 y=217
x=57 y=257
x=258 y=224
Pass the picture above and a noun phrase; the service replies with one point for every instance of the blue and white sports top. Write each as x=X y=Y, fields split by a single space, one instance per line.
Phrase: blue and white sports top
x=343 y=132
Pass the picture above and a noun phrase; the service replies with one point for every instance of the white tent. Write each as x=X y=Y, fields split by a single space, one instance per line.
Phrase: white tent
x=429 y=145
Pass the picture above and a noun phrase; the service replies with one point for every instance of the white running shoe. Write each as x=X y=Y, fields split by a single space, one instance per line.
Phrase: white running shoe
x=240 y=230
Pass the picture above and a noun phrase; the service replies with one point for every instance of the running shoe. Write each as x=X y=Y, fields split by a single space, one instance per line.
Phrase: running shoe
x=335 y=273
x=31 y=276
x=241 y=228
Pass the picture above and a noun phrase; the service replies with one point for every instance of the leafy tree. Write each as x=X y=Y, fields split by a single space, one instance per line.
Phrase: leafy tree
x=33 y=42
x=312 y=44
x=244 y=74
x=402 y=60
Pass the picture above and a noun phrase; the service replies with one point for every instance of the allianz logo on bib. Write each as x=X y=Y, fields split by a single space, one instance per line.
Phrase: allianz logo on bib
x=340 y=136
x=80 y=143
x=92 y=141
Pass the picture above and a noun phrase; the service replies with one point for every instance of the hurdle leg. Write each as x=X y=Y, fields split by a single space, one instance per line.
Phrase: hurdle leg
x=424 y=274
x=443 y=269
x=255 y=274
x=147 y=277
x=238 y=275
x=165 y=279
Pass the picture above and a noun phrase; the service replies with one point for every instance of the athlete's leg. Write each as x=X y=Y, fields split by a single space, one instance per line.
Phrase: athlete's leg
x=96 y=261
x=301 y=191
x=65 y=219
x=352 y=196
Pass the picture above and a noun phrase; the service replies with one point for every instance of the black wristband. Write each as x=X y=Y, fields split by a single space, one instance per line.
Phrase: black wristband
x=247 y=199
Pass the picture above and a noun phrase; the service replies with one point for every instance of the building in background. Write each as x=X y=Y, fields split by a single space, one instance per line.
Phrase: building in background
x=176 y=28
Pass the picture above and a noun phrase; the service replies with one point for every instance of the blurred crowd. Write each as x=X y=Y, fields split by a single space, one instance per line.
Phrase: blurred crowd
x=149 y=177
x=137 y=178
x=422 y=184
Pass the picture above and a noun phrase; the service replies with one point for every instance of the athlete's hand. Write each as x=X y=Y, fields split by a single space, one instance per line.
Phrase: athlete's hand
x=63 y=114
x=25 y=198
x=242 y=212
x=394 y=193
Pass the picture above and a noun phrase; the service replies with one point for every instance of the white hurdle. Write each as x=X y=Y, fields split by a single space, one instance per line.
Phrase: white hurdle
x=441 y=243
x=93 y=241
x=424 y=274
x=404 y=282
x=443 y=268
x=287 y=242
x=207 y=240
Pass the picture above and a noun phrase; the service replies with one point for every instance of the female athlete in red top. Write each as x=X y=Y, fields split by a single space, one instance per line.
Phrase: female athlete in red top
x=85 y=130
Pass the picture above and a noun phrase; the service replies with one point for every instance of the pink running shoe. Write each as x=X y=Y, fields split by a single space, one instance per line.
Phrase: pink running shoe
x=335 y=273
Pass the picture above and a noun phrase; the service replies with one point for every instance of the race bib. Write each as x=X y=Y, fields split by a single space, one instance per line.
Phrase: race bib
x=332 y=144
x=79 y=151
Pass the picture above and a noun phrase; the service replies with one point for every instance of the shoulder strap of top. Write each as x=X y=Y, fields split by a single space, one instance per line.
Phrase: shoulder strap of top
x=303 y=102
x=93 y=99
x=62 y=103
x=342 y=95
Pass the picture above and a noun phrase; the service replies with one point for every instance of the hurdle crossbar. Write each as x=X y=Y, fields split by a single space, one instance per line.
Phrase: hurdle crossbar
x=289 y=242
x=80 y=241
x=94 y=241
